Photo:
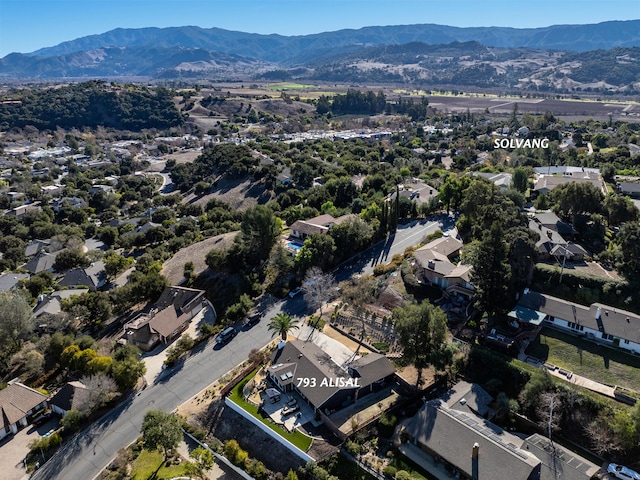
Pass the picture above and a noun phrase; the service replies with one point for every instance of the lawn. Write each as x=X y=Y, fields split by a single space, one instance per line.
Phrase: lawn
x=146 y=467
x=596 y=362
x=299 y=439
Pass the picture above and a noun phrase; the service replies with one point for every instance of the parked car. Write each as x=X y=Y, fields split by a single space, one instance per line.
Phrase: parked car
x=295 y=292
x=254 y=318
x=624 y=473
x=226 y=335
x=41 y=419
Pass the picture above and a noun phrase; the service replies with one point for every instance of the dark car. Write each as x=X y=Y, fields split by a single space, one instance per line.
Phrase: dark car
x=41 y=419
x=226 y=335
x=254 y=318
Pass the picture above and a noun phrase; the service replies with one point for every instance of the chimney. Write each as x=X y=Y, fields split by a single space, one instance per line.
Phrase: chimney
x=475 y=464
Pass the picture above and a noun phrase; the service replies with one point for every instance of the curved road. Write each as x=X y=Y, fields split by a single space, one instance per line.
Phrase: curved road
x=89 y=452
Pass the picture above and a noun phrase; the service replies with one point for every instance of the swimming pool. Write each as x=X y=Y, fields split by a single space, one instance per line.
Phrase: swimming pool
x=295 y=246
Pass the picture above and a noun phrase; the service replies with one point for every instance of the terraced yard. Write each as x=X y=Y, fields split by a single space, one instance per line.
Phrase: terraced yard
x=596 y=362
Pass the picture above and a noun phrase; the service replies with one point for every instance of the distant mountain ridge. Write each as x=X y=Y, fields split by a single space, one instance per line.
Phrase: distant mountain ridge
x=279 y=48
x=550 y=59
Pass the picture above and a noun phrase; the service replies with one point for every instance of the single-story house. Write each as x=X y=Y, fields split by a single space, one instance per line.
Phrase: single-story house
x=416 y=192
x=501 y=180
x=305 y=368
x=52 y=189
x=9 y=281
x=284 y=177
x=301 y=229
x=42 y=262
x=142 y=228
x=17 y=402
x=629 y=188
x=93 y=277
x=435 y=266
x=167 y=318
x=22 y=210
x=551 y=221
x=101 y=188
x=72 y=396
x=474 y=448
x=52 y=303
x=553 y=245
x=36 y=246
x=597 y=321
x=74 y=202
x=545 y=183
x=565 y=170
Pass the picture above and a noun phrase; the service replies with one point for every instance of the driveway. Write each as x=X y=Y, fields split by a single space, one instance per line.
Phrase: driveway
x=14 y=450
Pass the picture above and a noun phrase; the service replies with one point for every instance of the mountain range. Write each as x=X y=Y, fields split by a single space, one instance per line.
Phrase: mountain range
x=438 y=54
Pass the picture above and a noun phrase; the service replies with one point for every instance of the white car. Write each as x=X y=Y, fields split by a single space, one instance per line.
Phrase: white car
x=618 y=471
x=295 y=292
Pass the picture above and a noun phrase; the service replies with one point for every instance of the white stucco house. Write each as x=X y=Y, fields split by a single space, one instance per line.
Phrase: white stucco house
x=597 y=322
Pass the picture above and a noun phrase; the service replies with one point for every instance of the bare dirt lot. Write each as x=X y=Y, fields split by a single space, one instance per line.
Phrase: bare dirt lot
x=239 y=194
x=174 y=267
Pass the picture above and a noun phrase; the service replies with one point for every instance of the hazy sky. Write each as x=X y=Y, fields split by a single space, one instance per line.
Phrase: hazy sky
x=27 y=25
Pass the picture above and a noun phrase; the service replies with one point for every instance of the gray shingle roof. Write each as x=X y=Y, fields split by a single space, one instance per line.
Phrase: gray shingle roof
x=619 y=323
x=558 y=462
x=452 y=434
x=70 y=396
x=307 y=360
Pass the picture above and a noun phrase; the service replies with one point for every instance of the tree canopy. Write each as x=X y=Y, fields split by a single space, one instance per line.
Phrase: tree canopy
x=281 y=324
x=422 y=333
x=161 y=430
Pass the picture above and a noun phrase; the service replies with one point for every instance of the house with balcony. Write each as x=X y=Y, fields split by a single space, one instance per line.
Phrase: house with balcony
x=438 y=264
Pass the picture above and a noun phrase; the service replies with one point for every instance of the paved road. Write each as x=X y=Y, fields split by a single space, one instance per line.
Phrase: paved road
x=93 y=449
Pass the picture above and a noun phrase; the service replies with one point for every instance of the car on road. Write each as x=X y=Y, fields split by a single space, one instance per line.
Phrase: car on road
x=624 y=473
x=254 y=318
x=226 y=335
x=295 y=292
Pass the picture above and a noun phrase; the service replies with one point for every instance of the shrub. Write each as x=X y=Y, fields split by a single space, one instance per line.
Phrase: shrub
x=353 y=448
x=387 y=424
x=197 y=432
x=389 y=471
x=72 y=420
x=403 y=475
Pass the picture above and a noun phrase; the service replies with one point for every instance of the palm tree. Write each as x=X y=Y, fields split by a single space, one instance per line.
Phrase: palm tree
x=282 y=323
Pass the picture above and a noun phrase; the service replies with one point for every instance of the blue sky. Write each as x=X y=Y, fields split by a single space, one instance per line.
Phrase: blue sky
x=27 y=25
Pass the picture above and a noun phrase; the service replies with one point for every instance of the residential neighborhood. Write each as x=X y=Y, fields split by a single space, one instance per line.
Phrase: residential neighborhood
x=300 y=294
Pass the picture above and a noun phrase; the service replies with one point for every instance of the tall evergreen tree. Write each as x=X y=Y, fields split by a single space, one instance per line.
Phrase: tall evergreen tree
x=491 y=273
